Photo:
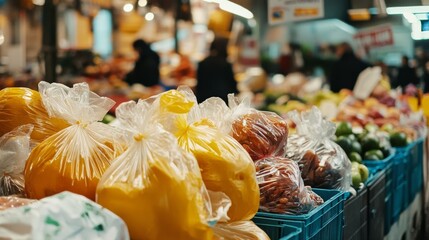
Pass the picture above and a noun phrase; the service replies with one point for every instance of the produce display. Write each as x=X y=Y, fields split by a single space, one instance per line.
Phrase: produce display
x=14 y=151
x=19 y=106
x=282 y=188
x=322 y=162
x=75 y=158
x=225 y=165
x=167 y=167
x=147 y=172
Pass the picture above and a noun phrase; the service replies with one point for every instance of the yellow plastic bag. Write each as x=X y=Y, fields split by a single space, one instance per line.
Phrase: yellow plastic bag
x=225 y=165
x=155 y=186
x=20 y=106
x=74 y=158
x=241 y=230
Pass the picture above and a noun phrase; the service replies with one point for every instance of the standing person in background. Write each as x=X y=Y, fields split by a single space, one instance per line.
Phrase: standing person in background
x=406 y=74
x=215 y=74
x=346 y=69
x=146 y=68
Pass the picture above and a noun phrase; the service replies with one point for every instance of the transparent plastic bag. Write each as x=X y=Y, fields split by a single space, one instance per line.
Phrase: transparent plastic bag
x=241 y=230
x=13 y=202
x=14 y=151
x=282 y=188
x=74 y=158
x=322 y=162
x=20 y=106
x=225 y=165
x=262 y=134
x=63 y=216
x=155 y=186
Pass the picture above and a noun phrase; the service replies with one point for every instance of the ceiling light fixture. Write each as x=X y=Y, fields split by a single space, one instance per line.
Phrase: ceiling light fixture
x=142 y=3
x=233 y=8
x=128 y=7
x=149 y=16
x=409 y=9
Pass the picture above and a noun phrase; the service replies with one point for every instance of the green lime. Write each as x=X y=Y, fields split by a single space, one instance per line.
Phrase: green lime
x=356 y=147
x=355 y=157
x=370 y=142
x=345 y=143
x=364 y=172
x=377 y=154
x=352 y=137
x=398 y=139
x=344 y=128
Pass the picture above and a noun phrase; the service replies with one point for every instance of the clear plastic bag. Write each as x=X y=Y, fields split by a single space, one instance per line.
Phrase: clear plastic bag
x=155 y=186
x=262 y=134
x=241 y=230
x=20 y=106
x=322 y=162
x=74 y=158
x=63 y=216
x=14 y=151
x=13 y=202
x=282 y=188
x=225 y=165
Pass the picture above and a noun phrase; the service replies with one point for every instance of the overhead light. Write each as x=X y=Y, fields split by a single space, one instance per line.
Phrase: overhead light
x=410 y=17
x=362 y=14
x=1 y=39
x=39 y=2
x=142 y=3
x=128 y=7
x=422 y=16
x=409 y=9
x=149 y=16
x=233 y=8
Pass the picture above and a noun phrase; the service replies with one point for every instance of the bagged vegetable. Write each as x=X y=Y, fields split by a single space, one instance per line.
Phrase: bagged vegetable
x=262 y=134
x=241 y=230
x=14 y=151
x=155 y=186
x=282 y=188
x=322 y=162
x=63 y=216
x=74 y=158
x=225 y=165
x=20 y=106
x=13 y=202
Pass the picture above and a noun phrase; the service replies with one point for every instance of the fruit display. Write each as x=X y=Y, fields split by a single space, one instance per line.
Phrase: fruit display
x=14 y=151
x=360 y=174
x=147 y=172
x=369 y=143
x=322 y=162
x=75 y=158
x=282 y=188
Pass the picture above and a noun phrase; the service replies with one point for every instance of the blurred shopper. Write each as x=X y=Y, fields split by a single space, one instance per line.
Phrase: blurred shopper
x=146 y=68
x=215 y=74
x=406 y=74
x=346 y=69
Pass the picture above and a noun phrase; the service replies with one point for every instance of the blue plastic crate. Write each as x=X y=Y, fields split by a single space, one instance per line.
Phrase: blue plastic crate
x=287 y=231
x=323 y=222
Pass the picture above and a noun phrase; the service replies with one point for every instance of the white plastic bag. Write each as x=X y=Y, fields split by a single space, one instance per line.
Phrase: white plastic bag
x=322 y=162
x=63 y=216
x=14 y=151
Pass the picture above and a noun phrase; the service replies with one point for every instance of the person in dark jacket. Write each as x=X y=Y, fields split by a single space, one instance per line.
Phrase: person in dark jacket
x=346 y=69
x=215 y=74
x=146 y=68
x=406 y=74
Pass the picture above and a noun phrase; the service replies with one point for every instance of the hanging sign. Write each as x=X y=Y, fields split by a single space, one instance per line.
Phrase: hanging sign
x=282 y=11
x=379 y=36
